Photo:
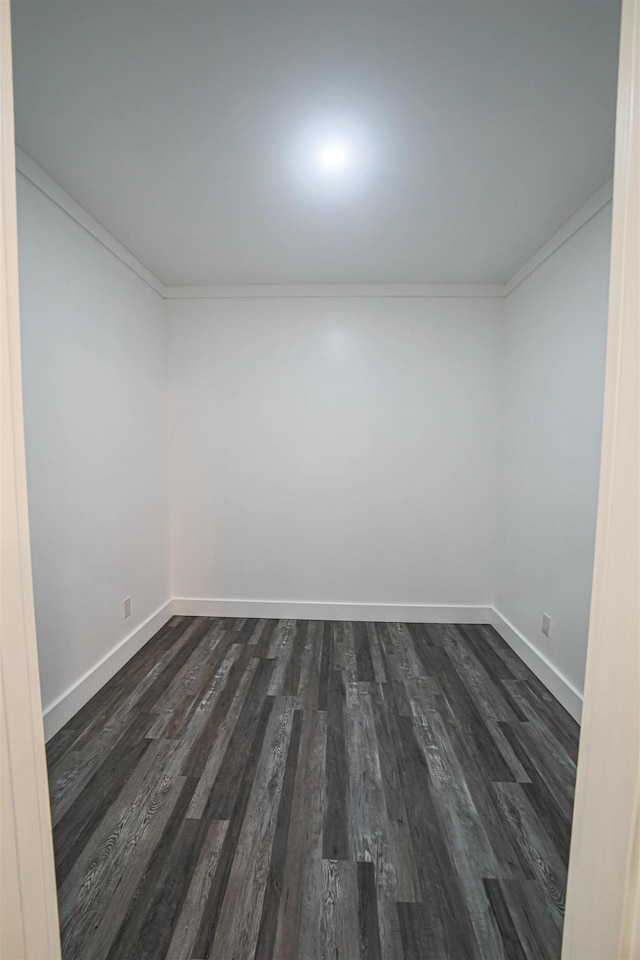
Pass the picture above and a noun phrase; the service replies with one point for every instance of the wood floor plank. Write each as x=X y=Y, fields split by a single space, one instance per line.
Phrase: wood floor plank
x=291 y=677
x=424 y=934
x=488 y=693
x=551 y=816
x=550 y=779
x=224 y=789
x=181 y=680
x=513 y=862
x=239 y=922
x=188 y=720
x=391 y=944
x=475 y=728
x=151 y=659
x=298 y=924
x=323 y=685
x=275 y=880
x=428 y=647
x=218 y=741
x=467 y=840
x=536 y=926
x=535 y=698
x=362 y=646
x=280 y=651
x=513 y=949
x=150 y=694
x=395 y=680
x=370 y=947
x=186 y=926
x=309 y=684
x=467 y=749
x=370 y=833
x=444 y=921
x=175 y=707
x=153 y=909
x=406 y=656
x=349 y=662
x=77 y=766
x=466 y=835
x=244 y=780
x=75 y=828
x=339 y=935
x=59 y=746
x=534 y=842
x=92 y=898
x=246 y=633
x=379 y=672
x=298 y=790
x=261 y=639
x=406 y=881
x=535 y=745
x=203 y=728
x=336 y=833
x=495 y=666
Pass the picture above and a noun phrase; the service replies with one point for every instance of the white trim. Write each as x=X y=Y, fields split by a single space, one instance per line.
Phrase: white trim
x=555 y=682
x=40 y=179
x=602 y=915
x=28 y=901
x=575 y=223
x=37 y=176
x=67 y=705
x=341 y=290
x=324 y=610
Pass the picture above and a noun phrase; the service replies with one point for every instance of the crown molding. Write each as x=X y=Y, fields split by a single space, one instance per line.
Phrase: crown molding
x=37 y=176
x=29 y=169
x=341 y=290
x=581 y=217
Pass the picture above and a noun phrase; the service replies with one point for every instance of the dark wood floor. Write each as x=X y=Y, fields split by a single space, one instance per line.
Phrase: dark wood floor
x=301 y=790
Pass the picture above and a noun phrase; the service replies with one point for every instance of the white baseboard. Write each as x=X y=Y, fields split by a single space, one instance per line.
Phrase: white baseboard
x=61 y=710
x=324 y=610
x=555 y=682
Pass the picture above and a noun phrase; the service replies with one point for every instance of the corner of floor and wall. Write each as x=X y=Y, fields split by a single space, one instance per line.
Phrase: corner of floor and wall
x=394 y=453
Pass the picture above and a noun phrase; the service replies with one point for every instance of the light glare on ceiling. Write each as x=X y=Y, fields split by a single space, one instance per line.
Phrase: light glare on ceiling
x=334 y=156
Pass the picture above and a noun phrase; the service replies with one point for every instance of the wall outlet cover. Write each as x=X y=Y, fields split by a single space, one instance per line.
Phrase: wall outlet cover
x=546 y=624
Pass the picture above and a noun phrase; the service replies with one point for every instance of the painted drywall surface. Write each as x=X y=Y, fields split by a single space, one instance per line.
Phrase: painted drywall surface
x=337 y=450
x=553 y=355
x=94 y=366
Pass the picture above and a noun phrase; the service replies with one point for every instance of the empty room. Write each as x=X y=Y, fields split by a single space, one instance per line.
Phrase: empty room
x=314 y=304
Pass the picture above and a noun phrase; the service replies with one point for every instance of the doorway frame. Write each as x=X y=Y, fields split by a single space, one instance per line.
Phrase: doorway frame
x=602 y=919
x=603 y=909
x=28 y=897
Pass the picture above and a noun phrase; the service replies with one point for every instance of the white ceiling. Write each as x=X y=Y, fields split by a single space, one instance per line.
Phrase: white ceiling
x=182 y=127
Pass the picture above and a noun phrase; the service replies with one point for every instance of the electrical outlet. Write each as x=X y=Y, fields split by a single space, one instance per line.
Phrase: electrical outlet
x=546 y=624
x=127 y=607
